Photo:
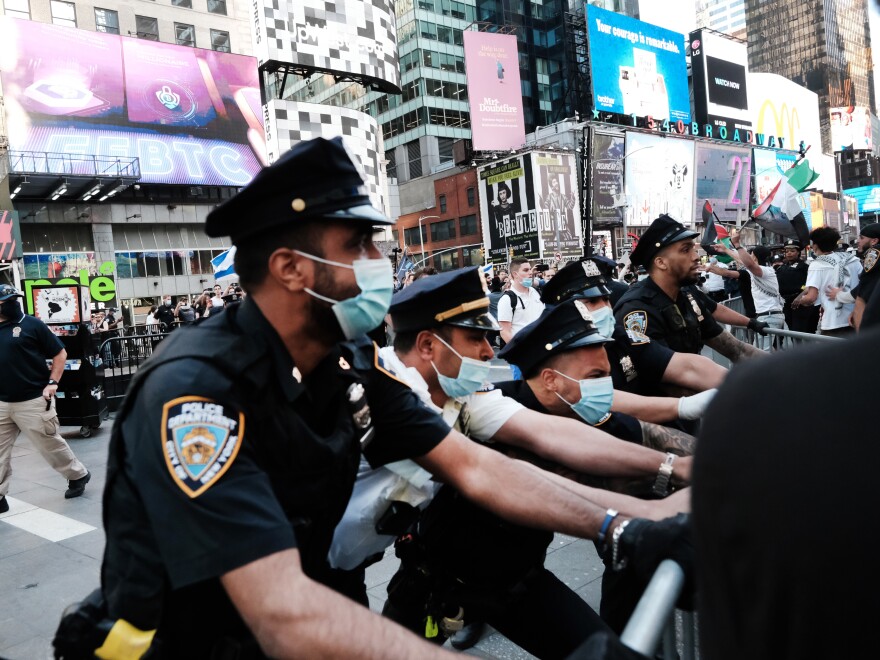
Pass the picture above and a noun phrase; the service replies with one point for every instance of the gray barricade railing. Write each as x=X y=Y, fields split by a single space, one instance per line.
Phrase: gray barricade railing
x=652 y=621
x=121 y=357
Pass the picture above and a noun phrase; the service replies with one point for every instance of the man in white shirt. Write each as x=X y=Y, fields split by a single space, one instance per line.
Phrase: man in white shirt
x=830 y=270
x=521 y=304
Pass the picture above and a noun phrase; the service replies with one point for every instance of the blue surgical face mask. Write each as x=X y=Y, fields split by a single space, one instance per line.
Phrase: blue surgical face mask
x=366 y=310
x=471 y=375
x=526 y=282
x=604 y=321
x=596 y=397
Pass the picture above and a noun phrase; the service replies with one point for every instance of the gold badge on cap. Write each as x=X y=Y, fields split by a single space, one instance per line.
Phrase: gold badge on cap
x=298 y=204
x=590 y=268
x=584 y=312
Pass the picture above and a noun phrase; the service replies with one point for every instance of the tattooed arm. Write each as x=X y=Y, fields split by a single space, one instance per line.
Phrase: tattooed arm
x=663 y=438
x=732 y=348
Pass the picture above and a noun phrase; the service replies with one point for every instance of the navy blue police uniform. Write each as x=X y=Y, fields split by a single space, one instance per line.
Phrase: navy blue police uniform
x=648 y=313
x=25 y=345
x=223 y=454
x=792 y=278
x=870 y=271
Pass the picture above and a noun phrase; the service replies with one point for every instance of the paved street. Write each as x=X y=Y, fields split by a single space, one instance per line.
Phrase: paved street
x=50 y=553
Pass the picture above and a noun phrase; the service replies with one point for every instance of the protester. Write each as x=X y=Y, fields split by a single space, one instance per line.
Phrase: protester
x=522 y=303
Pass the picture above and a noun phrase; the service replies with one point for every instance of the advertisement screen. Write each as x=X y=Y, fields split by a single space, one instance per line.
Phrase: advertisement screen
x=637 y=68
x=778 y=106
x=659 y=179
x=191 y=116
x=851 y=128
x=494 y=92
x=61 y=304
x=559 y=216
x=720 y=67
x=722 y=178
x=358 y=37
x=507 y=204
x=606 y=177
x=10 y=236
x=868 y=198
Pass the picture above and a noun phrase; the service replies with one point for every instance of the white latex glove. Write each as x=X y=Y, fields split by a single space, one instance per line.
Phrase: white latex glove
x=693 y=407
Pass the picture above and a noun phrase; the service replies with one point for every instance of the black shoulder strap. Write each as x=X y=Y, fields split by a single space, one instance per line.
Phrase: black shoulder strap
x=513 y=300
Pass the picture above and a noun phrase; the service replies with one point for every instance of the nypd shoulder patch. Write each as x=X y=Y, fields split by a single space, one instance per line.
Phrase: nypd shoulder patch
x=871 y=258
x=201 y=439
x=636 y=325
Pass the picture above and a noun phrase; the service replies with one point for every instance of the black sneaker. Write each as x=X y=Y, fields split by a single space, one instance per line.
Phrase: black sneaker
x=77 y=487
x=468 y=636
x=4 y=505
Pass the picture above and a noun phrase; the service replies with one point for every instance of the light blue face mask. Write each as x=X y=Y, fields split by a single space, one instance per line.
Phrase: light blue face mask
x=471 y=375
x=603 y=319
x=366 y=310
x=596 y=397
x=527 y=282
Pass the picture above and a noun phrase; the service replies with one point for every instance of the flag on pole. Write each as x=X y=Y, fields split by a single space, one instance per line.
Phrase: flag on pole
x=781 y=212
x=406 y=265
x=224 y=264
x=489 y=269
x=714 y=233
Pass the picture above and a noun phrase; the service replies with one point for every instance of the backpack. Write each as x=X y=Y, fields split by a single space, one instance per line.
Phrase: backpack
x=495 y=337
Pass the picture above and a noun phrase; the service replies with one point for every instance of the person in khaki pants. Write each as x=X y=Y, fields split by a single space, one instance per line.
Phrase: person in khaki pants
x=27 y=393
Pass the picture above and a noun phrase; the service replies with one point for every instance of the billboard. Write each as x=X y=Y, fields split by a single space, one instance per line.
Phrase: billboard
x=558 y=205
x=191 y=116
x=10 y=236
x=606 y=179
x=507 y=207
x=720 y=67
x=778 y=106
x=868 y=198
x=722 y=176
x=494 y=91
x=851 y=128
x=290 y=122
x=637 y=68
x=659 y=175
x=355 y=37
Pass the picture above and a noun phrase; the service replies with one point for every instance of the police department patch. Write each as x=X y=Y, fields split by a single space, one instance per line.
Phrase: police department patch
x=871 y=257
x=636 y=324
x=201 y=439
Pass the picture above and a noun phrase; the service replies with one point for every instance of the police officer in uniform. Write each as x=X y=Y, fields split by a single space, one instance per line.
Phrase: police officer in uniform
x=792 y=276
x=638 y=365
x=235 y=451
x=667 y=308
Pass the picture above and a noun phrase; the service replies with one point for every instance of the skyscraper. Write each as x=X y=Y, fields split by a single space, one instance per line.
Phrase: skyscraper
x=727 y=16
x=824 y=45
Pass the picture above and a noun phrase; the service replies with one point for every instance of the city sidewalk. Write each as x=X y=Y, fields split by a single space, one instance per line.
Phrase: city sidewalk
x=51 y=548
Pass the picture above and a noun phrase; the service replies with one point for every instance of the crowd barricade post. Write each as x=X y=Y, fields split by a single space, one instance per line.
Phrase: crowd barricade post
x=122 y=356
x=653 y=620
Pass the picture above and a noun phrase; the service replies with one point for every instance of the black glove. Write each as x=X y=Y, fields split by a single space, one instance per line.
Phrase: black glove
x=644 y=544
x=758 y=326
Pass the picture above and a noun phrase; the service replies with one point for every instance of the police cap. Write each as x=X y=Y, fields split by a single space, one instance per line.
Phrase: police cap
x=8 y=291
x=316 y=179
x=559 y=329
x=791 y=243
x=581 y=278
x=605 y=264
x=456 y=298
x=871 y=231
x=662 y=232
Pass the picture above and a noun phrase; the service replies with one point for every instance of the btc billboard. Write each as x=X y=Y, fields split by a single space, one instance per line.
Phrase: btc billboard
x=191 y=116
x=637 y=68
x=721 y=67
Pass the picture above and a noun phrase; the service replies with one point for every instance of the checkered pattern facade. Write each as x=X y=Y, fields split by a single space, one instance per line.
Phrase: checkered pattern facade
x=358 y=37
x=289 y=122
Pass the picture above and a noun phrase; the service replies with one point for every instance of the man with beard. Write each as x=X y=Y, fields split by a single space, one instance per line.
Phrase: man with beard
x=667 y=308
x=234 y=453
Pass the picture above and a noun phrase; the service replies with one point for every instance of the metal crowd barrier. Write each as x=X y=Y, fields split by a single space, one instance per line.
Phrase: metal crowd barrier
x=121 y=357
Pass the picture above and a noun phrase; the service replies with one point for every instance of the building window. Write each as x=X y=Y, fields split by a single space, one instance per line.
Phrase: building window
x=472 y=256
x=147 y=28
x=468 y=224
x=442 y=203
x=411 y=236
x=106 y=20
x=220 y=41
x=186 y=4
x=471 y=197
x=217 y=6
x=445 y=261
x=17 y=9
x=63 y=13
x=443 y=231
x=184 y=35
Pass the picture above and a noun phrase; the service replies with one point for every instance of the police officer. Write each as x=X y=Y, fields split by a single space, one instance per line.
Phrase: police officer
x=868 y=250
x=792 y=277
x=638 y=365
x=235 y=451
x=666 y=306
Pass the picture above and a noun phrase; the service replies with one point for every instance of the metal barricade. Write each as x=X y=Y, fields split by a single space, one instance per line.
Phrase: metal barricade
x=121 y=357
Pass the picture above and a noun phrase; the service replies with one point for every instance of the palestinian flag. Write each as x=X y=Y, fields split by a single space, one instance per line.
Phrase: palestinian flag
x=780 y=212
x=714 y=233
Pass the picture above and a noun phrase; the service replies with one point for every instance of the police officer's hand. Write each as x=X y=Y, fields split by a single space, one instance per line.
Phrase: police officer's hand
x=49 y=392
x=644 y=544
x=758 y=326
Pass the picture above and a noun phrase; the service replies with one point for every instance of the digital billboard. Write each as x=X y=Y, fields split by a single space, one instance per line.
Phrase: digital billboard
x=10 y=236
x=868 y=198
x=722 y=177
x=494 y=91
x=507 y=206
x=191 y=116
x=720 y=67
x=558 y=205
x=290 y=122
x=606 y=177
x=851 y=128
x=637 y=68
x=659 y=175
x=357 y=37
